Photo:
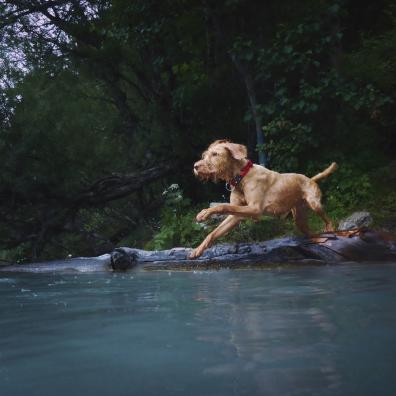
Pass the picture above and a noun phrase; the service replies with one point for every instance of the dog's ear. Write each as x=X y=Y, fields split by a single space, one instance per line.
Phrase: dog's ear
x=237 y=151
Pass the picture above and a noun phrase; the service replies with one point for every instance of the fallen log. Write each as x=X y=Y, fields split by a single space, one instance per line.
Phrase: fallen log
x=359 y=245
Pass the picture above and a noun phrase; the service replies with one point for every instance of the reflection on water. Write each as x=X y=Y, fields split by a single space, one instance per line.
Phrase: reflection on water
x=307 y=331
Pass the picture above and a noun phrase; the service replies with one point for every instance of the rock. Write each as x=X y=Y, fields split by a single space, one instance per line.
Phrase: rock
x=356 y=220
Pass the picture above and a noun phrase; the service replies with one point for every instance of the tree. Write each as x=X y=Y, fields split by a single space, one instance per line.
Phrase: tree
x=92 y=88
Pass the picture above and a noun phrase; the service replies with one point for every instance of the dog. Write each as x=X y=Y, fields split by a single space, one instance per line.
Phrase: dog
x=256 y=191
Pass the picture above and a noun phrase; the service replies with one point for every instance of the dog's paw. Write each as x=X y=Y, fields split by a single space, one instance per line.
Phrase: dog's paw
x=203 y=215
x=197 y=252
x=329 y=228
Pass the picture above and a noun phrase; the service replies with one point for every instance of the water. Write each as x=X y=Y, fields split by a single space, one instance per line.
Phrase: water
x=303 y=331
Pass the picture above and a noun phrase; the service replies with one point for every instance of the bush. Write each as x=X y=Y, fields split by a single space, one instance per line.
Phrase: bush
x=348 y=189
x=178 y=226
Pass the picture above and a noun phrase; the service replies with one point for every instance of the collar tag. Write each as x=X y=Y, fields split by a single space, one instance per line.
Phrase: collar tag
x=237 y=179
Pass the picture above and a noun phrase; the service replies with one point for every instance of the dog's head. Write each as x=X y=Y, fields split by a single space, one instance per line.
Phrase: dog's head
x=221 y=161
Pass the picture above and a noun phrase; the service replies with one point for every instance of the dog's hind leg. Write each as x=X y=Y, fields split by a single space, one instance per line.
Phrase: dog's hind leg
x=313 y=200
x=301 y=219
x=329 y=227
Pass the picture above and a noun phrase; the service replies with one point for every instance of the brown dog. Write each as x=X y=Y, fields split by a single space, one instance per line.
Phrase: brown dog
x=256 y=191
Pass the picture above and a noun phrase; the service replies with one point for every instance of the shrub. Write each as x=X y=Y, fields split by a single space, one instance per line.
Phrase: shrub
x=177 y=223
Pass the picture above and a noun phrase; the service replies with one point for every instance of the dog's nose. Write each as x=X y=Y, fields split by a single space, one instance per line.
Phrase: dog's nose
x=196 y=165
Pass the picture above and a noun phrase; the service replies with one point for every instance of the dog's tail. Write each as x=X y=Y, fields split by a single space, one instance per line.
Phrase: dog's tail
x=325 y=173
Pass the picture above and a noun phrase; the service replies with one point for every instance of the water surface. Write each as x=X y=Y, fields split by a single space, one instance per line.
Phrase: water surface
x=303 y=331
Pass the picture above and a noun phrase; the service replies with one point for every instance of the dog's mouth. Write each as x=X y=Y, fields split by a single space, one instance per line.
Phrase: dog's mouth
x=204 y=175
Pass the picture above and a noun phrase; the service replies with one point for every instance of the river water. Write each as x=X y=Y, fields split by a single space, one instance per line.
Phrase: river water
x=292 y=331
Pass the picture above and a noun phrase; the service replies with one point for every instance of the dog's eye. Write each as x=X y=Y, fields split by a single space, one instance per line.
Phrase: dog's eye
x=214 y=154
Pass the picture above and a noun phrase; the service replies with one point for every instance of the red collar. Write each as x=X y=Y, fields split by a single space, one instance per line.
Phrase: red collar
x=237 y=179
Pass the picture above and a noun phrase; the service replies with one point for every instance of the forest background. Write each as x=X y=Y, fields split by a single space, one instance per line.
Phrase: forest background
x=106 y=104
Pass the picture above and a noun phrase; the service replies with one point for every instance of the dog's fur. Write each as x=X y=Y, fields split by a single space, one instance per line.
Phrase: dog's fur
x=261 y=191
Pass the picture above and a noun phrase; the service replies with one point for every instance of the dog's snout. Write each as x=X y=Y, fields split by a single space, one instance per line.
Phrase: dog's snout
x=197 y=165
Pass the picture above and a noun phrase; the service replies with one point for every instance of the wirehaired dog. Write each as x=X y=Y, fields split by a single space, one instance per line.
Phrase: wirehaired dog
x=256 y=191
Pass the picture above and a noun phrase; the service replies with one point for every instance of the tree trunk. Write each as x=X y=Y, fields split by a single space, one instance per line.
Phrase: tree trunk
x=250 y=90
x=256 y=116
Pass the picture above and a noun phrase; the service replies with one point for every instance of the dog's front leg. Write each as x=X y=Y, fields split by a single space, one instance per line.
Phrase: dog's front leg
x=224 y=227
x=248 y=211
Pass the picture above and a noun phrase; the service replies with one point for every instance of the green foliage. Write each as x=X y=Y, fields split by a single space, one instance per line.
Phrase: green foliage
x=350 y=188
x=58 y=132
x=119 y=86
x=308 y=93
x=375 y=60
x=266 y=228
x=178 y=226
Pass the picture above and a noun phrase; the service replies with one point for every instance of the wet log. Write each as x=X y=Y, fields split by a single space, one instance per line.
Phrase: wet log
x=359 y=245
